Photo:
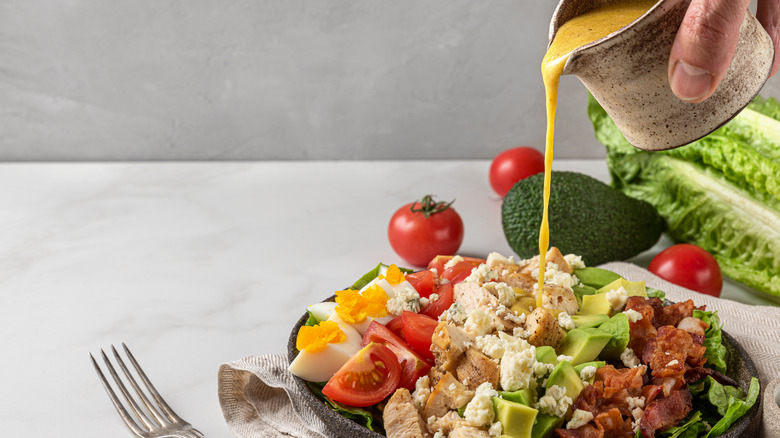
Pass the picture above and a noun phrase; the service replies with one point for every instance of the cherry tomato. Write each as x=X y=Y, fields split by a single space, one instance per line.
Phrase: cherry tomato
x=689 y=266
x=422 y=281
x=418 y=331
x=512 y=165
x=412 y=365
x=367 y=378
x=436 y=308
x=421 y=230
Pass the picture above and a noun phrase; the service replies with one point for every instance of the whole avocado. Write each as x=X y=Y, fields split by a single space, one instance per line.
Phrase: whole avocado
x=586 y=216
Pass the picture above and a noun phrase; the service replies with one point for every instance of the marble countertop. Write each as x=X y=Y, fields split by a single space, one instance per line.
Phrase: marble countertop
x=193 y=265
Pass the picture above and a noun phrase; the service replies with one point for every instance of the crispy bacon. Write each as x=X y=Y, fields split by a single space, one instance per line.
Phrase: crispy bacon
x=643 y=329
x=586 y=431
x=665 y=412
x=613 y=425
x=616 y=380
x=674 y=313
x=670 y=354
x=698 y=373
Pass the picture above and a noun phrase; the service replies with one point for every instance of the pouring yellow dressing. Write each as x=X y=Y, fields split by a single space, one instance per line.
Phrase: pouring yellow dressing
x=574 y=33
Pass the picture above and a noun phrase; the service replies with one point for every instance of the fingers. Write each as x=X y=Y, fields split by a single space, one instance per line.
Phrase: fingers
x=704 y=46
x=768 y=13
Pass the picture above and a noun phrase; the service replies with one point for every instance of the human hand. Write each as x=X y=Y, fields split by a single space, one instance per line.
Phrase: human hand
x=706 y=41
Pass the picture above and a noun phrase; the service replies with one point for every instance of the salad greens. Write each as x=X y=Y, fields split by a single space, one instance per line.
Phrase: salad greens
x=364 y=417
x=716 y=353
x=721 y=192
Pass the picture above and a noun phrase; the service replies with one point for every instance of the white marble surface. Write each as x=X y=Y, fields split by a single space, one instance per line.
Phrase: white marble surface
x=192 y=265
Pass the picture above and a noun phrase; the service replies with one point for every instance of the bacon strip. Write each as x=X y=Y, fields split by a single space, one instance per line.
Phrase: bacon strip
x=698 y=373
x=665 y=412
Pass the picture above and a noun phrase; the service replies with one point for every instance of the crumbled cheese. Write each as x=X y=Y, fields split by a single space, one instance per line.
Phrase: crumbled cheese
x=574 y=261
x=517 y=318
x=633 y=315
x=498 y=257
x=629 y=359
x=496 y=346
x=455 y=314
x=553 y=275
x=565 y=321
x=496 y=429
x=635 y=402
x=435 y=272
x=478 y=322
x=617 y=298
x=541 y=369
x=422 y=389
x=482 y=274
x=479 y=411
x=673 y=363
x=424 y=302
x=517 y=369
x=504 y=293
x=564 y=358
x=439 y=434
x=587 y=372
x=579 y=418
x=433 y=297
x=637 y=413
x=406 y=299
x=555 y=401
x=520 y=332
x=453 y=261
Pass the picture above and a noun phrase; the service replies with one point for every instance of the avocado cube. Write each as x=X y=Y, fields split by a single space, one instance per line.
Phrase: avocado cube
x=619 y=328
x=546 y=425
x=584 y=344
x=566 y=377
x=546 y=354
x=634 y=288
x=522 y=396
x=517 y=420
x=595 y=305
x=596 y=277
x=597 y=365
x=586 y=320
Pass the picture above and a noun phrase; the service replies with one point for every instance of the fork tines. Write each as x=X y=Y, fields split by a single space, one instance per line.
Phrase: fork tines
x=152 y=418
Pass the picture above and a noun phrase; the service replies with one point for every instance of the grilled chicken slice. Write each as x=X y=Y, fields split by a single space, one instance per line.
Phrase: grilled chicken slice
x=553 y=256
x=473 y=296
x=448 y=345
x=448 y=394
x=557 y=297
x=401 y=417
x=464 y=430
x=446 y=424
x=543 y=329
x=476 y=368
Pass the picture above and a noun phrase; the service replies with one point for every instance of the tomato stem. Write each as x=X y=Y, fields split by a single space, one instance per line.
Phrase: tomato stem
x=428 y=206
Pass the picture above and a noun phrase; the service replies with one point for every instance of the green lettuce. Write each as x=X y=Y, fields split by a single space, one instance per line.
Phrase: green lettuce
x=364 y=417
x=721 y=192
x=716 y=353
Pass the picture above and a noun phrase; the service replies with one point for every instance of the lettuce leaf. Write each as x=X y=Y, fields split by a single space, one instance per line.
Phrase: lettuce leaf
x=381 y=268
x=721 y=192
x=364 y=417
x=716 y=353
x=692 y=428
x=736 y=408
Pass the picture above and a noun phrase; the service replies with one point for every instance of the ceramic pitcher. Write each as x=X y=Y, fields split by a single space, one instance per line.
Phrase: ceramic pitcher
x=626 y=72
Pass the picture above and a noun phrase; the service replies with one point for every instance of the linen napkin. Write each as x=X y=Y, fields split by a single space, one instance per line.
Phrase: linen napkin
x=259 y=398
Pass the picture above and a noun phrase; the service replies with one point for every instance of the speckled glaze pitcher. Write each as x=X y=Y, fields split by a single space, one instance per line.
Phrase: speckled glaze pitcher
x=626 y=72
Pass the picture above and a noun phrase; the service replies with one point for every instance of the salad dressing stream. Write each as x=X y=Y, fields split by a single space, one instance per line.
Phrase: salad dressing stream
x=574 y=33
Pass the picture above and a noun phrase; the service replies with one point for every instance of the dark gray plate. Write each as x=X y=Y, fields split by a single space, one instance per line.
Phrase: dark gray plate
x=740 y=368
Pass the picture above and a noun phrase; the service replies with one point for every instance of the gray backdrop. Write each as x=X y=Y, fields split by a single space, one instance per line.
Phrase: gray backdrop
x=279 y=79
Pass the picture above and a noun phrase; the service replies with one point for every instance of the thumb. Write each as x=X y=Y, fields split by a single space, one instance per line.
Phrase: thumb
x=704 y=46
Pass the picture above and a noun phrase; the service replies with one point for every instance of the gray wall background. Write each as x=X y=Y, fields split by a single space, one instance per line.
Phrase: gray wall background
x=279 y=79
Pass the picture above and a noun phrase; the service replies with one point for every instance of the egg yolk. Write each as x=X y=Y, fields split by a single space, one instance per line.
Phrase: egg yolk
x=394 y=275
x=316 y=338
x=354 y=307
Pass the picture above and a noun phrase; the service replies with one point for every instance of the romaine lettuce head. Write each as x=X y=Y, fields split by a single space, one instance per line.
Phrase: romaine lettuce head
x=721 y=192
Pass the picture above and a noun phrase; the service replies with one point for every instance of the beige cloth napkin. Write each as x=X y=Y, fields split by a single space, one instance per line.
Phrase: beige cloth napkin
x=259 y=398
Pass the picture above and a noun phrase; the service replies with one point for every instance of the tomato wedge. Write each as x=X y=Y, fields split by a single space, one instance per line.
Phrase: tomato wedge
x=435 y=308
x=366 y=379
x=457 y=273
x=413 y=366
x=395 y=325
x=422 y=281
x=418 y=331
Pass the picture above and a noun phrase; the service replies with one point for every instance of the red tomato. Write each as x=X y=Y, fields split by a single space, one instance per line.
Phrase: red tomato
x=436 y=308
x=412 y=365
x=689 y=266
x=421 y=230
x=512 y=165
x=422 y=281
x=396 y=326
x=367 y=378
x=418 y=330
x=457 y=273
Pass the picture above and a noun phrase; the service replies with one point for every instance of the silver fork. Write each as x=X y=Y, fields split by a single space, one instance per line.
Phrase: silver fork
x=151 y=421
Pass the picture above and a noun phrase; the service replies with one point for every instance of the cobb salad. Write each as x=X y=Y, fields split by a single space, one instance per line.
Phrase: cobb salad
x=462 y=349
